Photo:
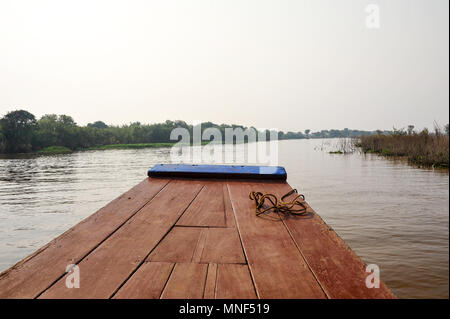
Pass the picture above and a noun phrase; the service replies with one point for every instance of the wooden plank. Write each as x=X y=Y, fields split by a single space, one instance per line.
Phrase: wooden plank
x=276 y=265
x=178 y=246
x=210 y=286
x=207 y=209
x=147 y=282
x=229 y=215
x=234 y=282
x=110 y=264
x=186 y=282
x=223 y=246
x=196 y=244
x=200 y=246
x=37 y=272
x=339 y=270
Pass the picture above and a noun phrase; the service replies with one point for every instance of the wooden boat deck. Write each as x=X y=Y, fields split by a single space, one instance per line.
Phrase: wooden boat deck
x=193 y=238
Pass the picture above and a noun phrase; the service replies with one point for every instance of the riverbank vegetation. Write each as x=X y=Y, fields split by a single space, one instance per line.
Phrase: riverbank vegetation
x=130 y=146
x=54 y=150
x=344 y=146
x=21 y=132
x=422 y=148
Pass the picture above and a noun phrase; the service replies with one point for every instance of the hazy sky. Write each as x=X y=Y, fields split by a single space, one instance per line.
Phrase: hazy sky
x=291 y=65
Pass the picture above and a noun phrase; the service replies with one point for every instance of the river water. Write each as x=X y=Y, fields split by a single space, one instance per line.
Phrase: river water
x=390 y=214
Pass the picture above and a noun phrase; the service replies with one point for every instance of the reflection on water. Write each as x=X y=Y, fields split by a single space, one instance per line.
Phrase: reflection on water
x=391 y=214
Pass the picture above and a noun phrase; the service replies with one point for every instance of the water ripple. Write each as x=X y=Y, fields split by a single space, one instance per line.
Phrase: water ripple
x=391 y=214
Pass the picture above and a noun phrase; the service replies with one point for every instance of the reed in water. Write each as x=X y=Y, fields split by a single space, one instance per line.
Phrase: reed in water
x=421 y=148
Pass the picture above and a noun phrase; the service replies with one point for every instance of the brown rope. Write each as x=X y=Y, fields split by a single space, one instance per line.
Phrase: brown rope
x=295 y=206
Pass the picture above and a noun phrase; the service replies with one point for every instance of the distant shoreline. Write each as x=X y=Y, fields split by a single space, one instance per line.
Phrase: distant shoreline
x=22 y=132
x=53 y=150
x=63 y=150
x=418 y=149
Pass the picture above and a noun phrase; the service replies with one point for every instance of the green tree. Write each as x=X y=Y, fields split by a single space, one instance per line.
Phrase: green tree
x=56 y=130
x=47 y=131
x=307 y=133
x=17 y=131
x=2 y=141
x=98 y=124
x=67 y=131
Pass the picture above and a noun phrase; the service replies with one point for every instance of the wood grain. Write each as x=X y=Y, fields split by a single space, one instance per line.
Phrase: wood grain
x=147 y=282
x=276 y=265
x=37 y=272
x=223 y=246
x=187 y=238
x=186 y=282
x=178 y=246
x=207 y=209
x=200 y=245
x=339 y=270
x=229 y=215
x=110 y=264
x=210 y=286
x=234 y=282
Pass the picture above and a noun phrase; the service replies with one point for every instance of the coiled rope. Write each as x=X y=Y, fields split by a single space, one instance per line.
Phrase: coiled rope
x=295 y=206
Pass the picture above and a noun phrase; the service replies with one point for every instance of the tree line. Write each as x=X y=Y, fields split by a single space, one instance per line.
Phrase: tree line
x=21 y=132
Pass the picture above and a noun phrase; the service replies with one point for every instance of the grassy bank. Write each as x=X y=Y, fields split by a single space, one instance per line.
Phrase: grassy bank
x=129 y=146
x=423 y=149
x=62 y=149
x=55 y=150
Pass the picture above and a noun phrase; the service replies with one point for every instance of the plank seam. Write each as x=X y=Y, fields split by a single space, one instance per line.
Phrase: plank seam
x=215 y=281
x=102 y=241
x=201 y=240
x=348 y=248
x=162 y=238
x=228 y=223
x=204 y=282
x=22 y=262
x=224 y=208
x=242 y=244
x=204 y=289
x=301 y=254
x=200 y=226
x=167 y=281
x=306 y=261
